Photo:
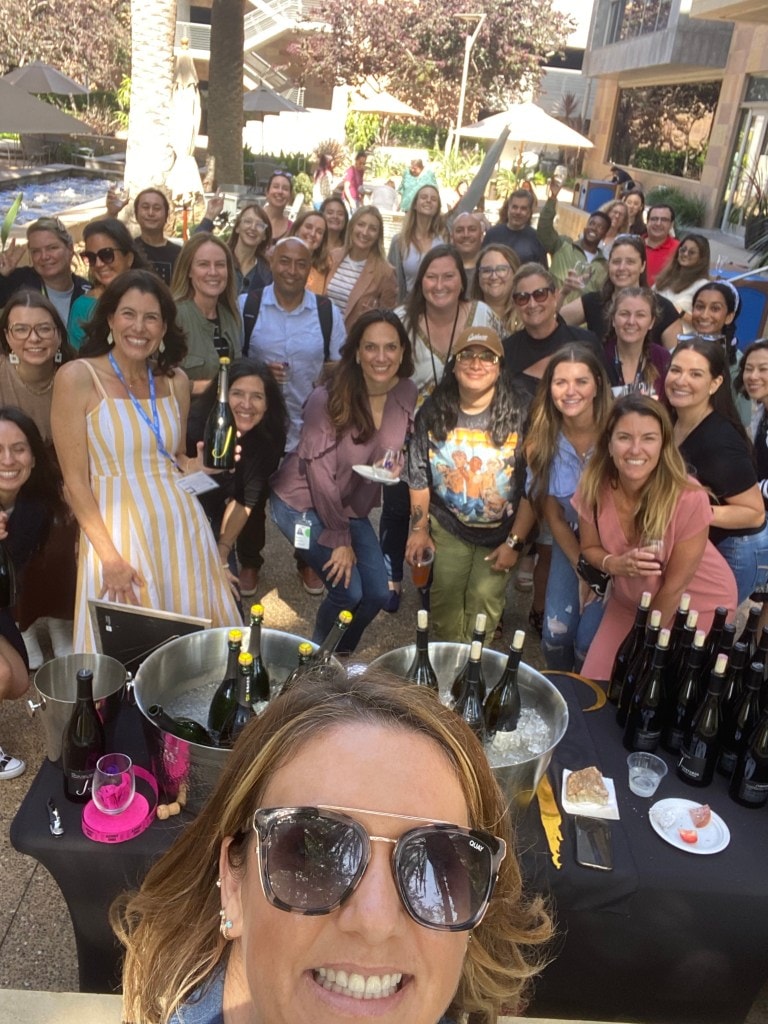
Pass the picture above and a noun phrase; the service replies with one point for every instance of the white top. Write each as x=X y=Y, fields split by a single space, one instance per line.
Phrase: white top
x=344 y=280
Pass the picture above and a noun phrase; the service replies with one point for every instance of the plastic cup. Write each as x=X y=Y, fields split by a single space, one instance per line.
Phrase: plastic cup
x=645 y=772
x=422 y=567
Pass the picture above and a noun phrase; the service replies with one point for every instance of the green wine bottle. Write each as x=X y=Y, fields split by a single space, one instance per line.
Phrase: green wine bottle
x=185 y=728
x=220 y=431
x=260 y=674
x=225 y=699
x=243 y=712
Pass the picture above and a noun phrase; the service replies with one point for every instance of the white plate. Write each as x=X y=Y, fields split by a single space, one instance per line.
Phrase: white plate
x=667 y=816
x=377 y=474
x=609 y=810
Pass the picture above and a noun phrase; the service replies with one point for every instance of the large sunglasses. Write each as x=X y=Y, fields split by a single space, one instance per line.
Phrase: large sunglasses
x=483 y=355
x=538 y=295
x=313 y=858
x=106 y=255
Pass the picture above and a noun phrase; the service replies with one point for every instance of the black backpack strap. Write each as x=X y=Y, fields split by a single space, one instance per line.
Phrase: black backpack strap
x=325 y=315
x=250 y=316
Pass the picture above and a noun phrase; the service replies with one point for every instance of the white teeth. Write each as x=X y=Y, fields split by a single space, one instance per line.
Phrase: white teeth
x=356 y=986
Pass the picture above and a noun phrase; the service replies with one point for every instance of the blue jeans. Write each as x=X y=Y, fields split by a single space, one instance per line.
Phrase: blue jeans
x=567 y=633
x=367 y=592
x=748 y=559
x=393 y=528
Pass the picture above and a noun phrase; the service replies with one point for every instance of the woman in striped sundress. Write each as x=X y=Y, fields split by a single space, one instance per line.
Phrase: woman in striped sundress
x=119 y=423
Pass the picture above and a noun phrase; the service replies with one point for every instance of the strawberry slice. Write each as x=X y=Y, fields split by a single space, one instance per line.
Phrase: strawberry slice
x=688 y=835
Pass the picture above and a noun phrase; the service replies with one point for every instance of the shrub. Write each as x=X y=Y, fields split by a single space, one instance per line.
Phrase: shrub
x=690 y=211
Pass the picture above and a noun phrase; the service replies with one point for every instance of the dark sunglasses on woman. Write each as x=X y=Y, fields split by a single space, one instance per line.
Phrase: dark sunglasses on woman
x=106 y=255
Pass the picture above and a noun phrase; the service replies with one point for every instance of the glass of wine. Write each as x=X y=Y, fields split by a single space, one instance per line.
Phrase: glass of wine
x=583 y=270
x=656 y=547
x=113 y=783
x=390 y=463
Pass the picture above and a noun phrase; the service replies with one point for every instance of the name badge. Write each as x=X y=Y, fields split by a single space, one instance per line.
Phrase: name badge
x=196 y=483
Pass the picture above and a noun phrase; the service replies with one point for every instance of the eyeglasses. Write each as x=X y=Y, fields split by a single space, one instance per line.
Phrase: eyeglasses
x=503 y=270
x=280 y=173
x=313 y=858
x=538 y=295
x=22 y=332
x=686 y=250
x=468 y=355
x=659 y=220
x=107 y=256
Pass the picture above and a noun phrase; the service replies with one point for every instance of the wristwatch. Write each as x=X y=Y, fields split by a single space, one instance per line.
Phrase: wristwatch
x=514 y=542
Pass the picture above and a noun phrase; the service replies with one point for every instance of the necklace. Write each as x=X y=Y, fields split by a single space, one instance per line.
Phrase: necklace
x=42 y=390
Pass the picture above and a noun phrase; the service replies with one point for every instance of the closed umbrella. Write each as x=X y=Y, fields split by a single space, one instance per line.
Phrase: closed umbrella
x=38 y=77
x=21 y=113
x=184 y=179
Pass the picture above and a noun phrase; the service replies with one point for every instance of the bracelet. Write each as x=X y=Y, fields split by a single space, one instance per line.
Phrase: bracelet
x=415 y=529
x=514 y=542
x=602 y=564
x=225 y=565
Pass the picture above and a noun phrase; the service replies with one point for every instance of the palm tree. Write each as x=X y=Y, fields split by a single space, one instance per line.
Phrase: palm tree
x=149 y=155
x=225 y=91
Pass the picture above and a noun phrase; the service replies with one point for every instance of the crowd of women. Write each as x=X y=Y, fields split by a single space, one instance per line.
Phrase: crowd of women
x=496 y=418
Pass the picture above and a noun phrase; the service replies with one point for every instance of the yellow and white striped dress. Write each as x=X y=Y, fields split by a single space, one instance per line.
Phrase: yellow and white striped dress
x=158 y=528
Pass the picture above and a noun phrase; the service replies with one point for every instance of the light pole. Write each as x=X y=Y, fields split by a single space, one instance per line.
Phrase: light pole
x=469 y=42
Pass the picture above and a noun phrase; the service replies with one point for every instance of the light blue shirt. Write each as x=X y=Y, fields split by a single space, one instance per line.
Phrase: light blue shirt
x=294 y=337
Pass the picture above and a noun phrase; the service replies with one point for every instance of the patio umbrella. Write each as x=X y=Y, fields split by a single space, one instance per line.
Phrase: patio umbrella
x=527 y=122
x=38 y=77
x=263 y=100
x=383 y=103
x=22 y=114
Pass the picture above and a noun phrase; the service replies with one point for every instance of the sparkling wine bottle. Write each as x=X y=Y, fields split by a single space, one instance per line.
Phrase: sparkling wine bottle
x=502 y=706
x=749 y=635
x=83 y=742
x=749 y=785
x=260 y=674
x=639 y=666
x=643 y=728
x=244 y=712
x=734 y=680
x=740 y=723
x=713 y=638
x=421 y=671
x=478 y=636
x=681 y=617
x=677 y=658
x=224 y=701
x=470 y=705
x=185 y=728
x=630 y=646
x=683 y=706
x=305 y=656
x=699 y=750
x=220 y=431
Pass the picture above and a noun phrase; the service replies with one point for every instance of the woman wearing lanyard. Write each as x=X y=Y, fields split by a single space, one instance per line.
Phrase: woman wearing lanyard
x=119 y=422
x=633 y=361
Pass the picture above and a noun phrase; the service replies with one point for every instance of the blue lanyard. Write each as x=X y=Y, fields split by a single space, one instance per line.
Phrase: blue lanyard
x=154 y=423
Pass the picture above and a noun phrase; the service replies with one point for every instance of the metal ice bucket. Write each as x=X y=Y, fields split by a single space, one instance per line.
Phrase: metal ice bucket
x=197 y=663
x=56 y=686
x=518 y=781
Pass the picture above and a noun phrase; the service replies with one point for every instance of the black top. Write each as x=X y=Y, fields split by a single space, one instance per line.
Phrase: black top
x=524 y=242
x=595 y=316
x=161 y=258
x=761 y=454
x=522 y=351
x=717 y=455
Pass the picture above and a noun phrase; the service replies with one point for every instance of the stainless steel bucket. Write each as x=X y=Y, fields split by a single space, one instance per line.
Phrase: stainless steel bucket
x=518 y=781
x=182 y=676
x=56 y=686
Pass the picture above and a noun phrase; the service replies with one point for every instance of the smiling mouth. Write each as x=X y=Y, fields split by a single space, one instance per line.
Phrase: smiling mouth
x=375 y=986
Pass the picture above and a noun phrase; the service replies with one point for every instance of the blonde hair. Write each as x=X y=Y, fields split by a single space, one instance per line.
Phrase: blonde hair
x=660 y=495
x=436 y=226
x=377 y=252
x=181 y=284
x=170 y=928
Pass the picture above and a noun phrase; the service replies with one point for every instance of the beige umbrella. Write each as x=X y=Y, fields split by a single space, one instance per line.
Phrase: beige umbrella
x=527 y=123
x=22 y=114
x=183 y=181
x=38 y=77
x=383 y=103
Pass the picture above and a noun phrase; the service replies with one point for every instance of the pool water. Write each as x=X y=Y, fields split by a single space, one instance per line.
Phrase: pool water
x=50 y=198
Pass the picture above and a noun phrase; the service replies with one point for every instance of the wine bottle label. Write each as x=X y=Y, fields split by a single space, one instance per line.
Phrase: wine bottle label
x=727 y=761
x=674 y=739
x=79 y=783
x=692 y=767
x=646 y=740
x=752 y=792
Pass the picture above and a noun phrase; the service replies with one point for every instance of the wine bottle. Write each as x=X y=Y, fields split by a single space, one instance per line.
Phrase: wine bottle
x=470 y=705
x=681 y=617
x=220 y=431
x=478 y=636
x=699 y=750
x=713 y=638
x=502 y=706
x=749 y=785
x=628 y=650
x=7 y=578
x=304 y=666
x=734 y=681
x=761 y=651
x=321 y=658
x=421 y=671
x=185 y=728
x=244 y=712
x=682 y=708
x=224 y=700
x=677 y=658
x=83 y=742
x=260 y=674
x=749 y=634
x=643 y=728
x=639 y=666
x=740 y=723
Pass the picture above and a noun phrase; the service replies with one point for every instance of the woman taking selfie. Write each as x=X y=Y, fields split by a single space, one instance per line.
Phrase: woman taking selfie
x=644 y=522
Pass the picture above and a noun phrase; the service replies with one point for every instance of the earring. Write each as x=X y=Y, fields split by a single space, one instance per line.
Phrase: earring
x=226 y=925
x=162 y=346
x=13 y=359
x=58 y=357
x=110 y=339
x=218 y=883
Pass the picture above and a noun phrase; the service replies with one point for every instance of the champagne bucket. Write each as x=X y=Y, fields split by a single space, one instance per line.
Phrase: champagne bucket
x=56 y=691
x=518 y=781
x=182 y=676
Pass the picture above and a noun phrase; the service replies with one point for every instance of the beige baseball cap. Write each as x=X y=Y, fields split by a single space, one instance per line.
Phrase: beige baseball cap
x=485 y=337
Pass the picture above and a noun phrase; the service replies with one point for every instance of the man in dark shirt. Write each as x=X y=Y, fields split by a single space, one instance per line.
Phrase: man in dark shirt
x=517 y=233
x=50 y=250
x=152 y=210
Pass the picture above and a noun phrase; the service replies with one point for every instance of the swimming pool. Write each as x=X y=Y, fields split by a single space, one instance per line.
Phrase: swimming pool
x=50 y=198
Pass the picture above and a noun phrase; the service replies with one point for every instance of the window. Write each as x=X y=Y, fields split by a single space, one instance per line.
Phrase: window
x=630 y=18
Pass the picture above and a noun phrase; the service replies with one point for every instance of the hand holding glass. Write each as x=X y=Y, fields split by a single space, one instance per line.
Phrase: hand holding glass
x=654 y=545
x=113 y=783
x=422 y=566
x=391 y=461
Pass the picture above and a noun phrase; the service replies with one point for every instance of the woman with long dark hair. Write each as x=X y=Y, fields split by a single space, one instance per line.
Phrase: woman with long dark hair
x=634 y=200
x=685 y=274
x=463 y=462
x=337 y=218
x=362 y=413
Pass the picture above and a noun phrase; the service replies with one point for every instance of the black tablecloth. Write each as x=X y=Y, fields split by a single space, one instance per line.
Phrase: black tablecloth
x=668 y=935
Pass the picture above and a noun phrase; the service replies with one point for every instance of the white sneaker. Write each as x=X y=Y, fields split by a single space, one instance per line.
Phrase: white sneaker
x=60 y=631
x=10 y=767
x=32 y=644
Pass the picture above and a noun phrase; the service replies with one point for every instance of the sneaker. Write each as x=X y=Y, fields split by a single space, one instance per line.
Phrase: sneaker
x=10 y=767
x=32 y=644
x=249 y=582
x=312 y=583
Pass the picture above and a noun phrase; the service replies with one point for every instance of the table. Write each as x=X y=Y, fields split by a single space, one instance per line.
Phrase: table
x=668 y=935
